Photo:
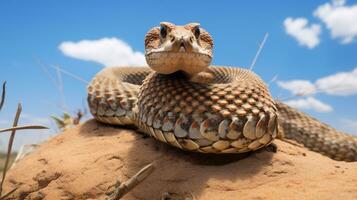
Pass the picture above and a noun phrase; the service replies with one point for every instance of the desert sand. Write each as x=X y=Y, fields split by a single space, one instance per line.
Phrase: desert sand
x=85 y=162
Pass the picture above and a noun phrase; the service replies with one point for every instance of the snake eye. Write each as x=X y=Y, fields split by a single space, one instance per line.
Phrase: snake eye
x=197 y=32
x=163 y=31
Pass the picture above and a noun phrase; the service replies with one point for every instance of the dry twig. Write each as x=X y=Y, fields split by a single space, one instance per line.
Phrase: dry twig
x=3 y=94
x=22 y=128
x=9 y=147
x=8 y=194
x=11 y=140
x=123 y=188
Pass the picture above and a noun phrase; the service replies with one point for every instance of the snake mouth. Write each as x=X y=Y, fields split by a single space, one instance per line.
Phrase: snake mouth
x=182 y=52
x=167 y=62
x=182 y=48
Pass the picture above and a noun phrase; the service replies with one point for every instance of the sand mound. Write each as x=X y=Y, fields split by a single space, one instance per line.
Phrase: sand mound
x=86 y=161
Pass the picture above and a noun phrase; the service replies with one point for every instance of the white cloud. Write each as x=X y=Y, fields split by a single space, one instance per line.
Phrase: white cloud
x=343 y=83
x=309 y=103
x=106 y=51
x=306 y=35
x=298 y=87
x=339 y=84
x=340 y=19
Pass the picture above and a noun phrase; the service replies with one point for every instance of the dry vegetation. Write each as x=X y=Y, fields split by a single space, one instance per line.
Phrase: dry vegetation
x=67 y=121
x=6 y=159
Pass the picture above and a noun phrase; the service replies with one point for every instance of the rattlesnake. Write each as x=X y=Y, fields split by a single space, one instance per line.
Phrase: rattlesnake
x=184 y=102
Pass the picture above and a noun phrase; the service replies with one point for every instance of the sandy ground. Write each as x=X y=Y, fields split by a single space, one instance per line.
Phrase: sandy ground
x=85 y=162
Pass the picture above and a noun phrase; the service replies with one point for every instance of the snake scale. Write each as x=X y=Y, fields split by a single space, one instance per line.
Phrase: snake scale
x=182 y=101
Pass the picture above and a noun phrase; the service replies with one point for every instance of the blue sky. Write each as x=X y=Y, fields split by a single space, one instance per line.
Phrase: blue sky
x=304 y=44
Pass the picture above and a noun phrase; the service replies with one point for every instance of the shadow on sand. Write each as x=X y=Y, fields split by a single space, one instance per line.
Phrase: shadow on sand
x=176 y=171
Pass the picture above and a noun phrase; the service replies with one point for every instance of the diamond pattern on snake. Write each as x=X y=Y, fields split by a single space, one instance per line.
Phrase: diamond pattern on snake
x=183 y=101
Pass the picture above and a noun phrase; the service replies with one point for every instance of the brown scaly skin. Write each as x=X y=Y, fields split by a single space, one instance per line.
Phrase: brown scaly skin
x=316 y=135
x=186 y=103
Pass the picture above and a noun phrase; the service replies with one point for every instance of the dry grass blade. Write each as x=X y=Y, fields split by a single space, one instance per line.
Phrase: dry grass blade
x=259 y=50
x=69 y=74
x=272 y=80
x=128 y=185
x=23 y=128
x=3 y=95
x=61 y=89
x=13 y=130
x=59 y=122
x=8 y=194
x=9 y=148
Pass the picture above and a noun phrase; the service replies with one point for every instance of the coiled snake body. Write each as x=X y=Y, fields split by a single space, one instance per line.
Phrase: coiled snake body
x=184 y=102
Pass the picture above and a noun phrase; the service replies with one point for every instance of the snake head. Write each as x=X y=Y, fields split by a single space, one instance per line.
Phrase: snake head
x=170 y=48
